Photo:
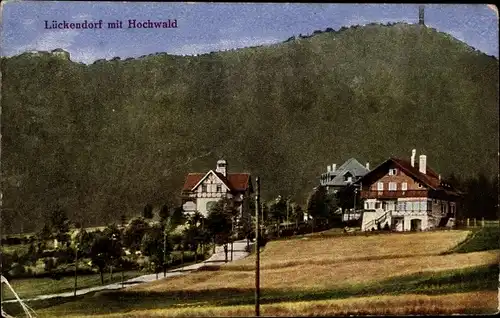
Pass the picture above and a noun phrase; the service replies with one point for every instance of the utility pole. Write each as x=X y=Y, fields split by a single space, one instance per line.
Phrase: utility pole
x=287 y=209
x=165 y=247
x=232 y=237
x=257 y=248
x=77 y=246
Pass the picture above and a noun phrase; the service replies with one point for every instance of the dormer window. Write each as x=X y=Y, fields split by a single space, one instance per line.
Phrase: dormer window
x=393 y=172
x=348 y=177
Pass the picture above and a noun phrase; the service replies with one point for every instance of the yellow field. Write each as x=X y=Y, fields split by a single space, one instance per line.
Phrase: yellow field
x=312 y=266
x=484 y=302
x=334 y=262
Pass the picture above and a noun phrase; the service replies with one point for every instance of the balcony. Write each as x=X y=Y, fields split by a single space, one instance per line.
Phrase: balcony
x=386 y=194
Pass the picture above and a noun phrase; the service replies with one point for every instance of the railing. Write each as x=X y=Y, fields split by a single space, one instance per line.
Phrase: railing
x=381 y=219
x=370 y=194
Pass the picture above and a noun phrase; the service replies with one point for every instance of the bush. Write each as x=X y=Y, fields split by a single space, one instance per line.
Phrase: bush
x=16 y=270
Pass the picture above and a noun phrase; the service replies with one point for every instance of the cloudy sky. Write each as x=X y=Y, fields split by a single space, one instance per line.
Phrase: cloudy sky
x=204 y=27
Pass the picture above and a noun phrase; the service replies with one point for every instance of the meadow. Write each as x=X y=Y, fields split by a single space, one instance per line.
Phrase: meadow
x=390 y=274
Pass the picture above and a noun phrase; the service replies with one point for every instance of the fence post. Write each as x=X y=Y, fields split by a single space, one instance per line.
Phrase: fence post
x=474 y=222
x=482 y=221
x=468 y=222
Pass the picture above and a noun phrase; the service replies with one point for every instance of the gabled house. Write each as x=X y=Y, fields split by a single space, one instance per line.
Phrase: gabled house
x=202 y=190
x=345 y=176
x=404 y=196
x=349 y=172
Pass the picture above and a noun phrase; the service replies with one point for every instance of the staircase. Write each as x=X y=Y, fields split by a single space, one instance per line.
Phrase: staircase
x=380 y=220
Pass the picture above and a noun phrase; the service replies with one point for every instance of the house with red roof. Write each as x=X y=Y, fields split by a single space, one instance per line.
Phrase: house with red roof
x=405 y=196
x=202 y=190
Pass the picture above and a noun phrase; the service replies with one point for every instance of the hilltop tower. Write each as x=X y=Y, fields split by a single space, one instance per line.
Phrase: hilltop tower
x=421 y=15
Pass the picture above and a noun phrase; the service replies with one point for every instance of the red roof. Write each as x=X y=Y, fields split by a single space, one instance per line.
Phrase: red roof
x=234 y=181
x=430 y=178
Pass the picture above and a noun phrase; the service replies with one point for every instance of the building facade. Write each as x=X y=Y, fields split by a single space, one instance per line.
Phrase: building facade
x=402 y=196
x=202 y=190
x=336 y=179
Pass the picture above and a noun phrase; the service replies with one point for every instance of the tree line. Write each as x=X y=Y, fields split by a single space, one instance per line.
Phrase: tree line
x=479 y=197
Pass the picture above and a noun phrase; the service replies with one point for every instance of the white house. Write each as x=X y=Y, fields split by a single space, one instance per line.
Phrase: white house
x=202 y=190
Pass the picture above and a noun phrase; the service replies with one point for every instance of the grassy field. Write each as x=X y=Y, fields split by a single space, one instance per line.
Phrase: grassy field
x=482 y=239
x=318 y=276
x=31 y=287
x=410 y=304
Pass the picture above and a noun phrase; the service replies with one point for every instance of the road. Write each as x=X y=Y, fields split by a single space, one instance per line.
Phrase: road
x=216 y=259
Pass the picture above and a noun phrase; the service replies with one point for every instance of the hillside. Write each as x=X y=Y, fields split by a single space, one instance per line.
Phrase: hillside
x=106 y=139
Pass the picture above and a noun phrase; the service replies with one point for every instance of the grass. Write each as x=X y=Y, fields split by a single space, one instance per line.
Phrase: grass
x=343 y=248
x=466 y=303
x=478 y=279
x=313 y=270
x=483 y=239
x=31 y=287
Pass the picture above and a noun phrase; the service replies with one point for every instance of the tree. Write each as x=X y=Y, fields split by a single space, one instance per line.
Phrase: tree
x=153 y=246
x=277 y=210
x=104 y=250
x=44 y=235
x=164 y=212
x=59 y=225
x=317 y=205
x=148 y=212
x=194 y=234
x=132 y=237
x=297 y=214
x=219 y=223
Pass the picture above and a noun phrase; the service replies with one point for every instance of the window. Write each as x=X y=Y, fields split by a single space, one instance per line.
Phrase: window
x=219 y=188
x=380 y=186
x=203 y=188
x=377 y=205
x=404 y=186
x=409 y=206
x=393 y=172
x=423 y=205
x=392 y=186
x=348 y=177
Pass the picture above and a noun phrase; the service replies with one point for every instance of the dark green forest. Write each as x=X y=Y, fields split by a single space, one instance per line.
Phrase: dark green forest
x=105 y=139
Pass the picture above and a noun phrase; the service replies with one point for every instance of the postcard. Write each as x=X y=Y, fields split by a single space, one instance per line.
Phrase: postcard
x=248 y=159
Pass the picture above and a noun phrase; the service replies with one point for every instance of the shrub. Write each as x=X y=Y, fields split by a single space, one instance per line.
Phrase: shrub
x=16 y=270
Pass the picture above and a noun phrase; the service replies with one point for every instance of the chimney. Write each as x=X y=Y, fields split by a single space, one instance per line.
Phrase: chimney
x=328 y=168
x=222 y=167
x=334 y=167
x=422 y=164
x=367 y=166
x=413 y=154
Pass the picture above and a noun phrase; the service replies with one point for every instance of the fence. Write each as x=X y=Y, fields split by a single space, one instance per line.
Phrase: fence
x=475 y=222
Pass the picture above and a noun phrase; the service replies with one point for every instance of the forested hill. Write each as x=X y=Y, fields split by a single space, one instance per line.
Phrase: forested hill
x=107 y=138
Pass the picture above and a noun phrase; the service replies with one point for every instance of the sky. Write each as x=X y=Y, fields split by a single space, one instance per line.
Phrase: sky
x=205 y=27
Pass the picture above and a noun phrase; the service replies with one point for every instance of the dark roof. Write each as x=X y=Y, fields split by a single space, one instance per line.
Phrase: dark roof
x=352 y=165
x=234 y=181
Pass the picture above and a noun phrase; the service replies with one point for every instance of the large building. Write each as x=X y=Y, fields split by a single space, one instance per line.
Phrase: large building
x=404 y=196
x=202 y=190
